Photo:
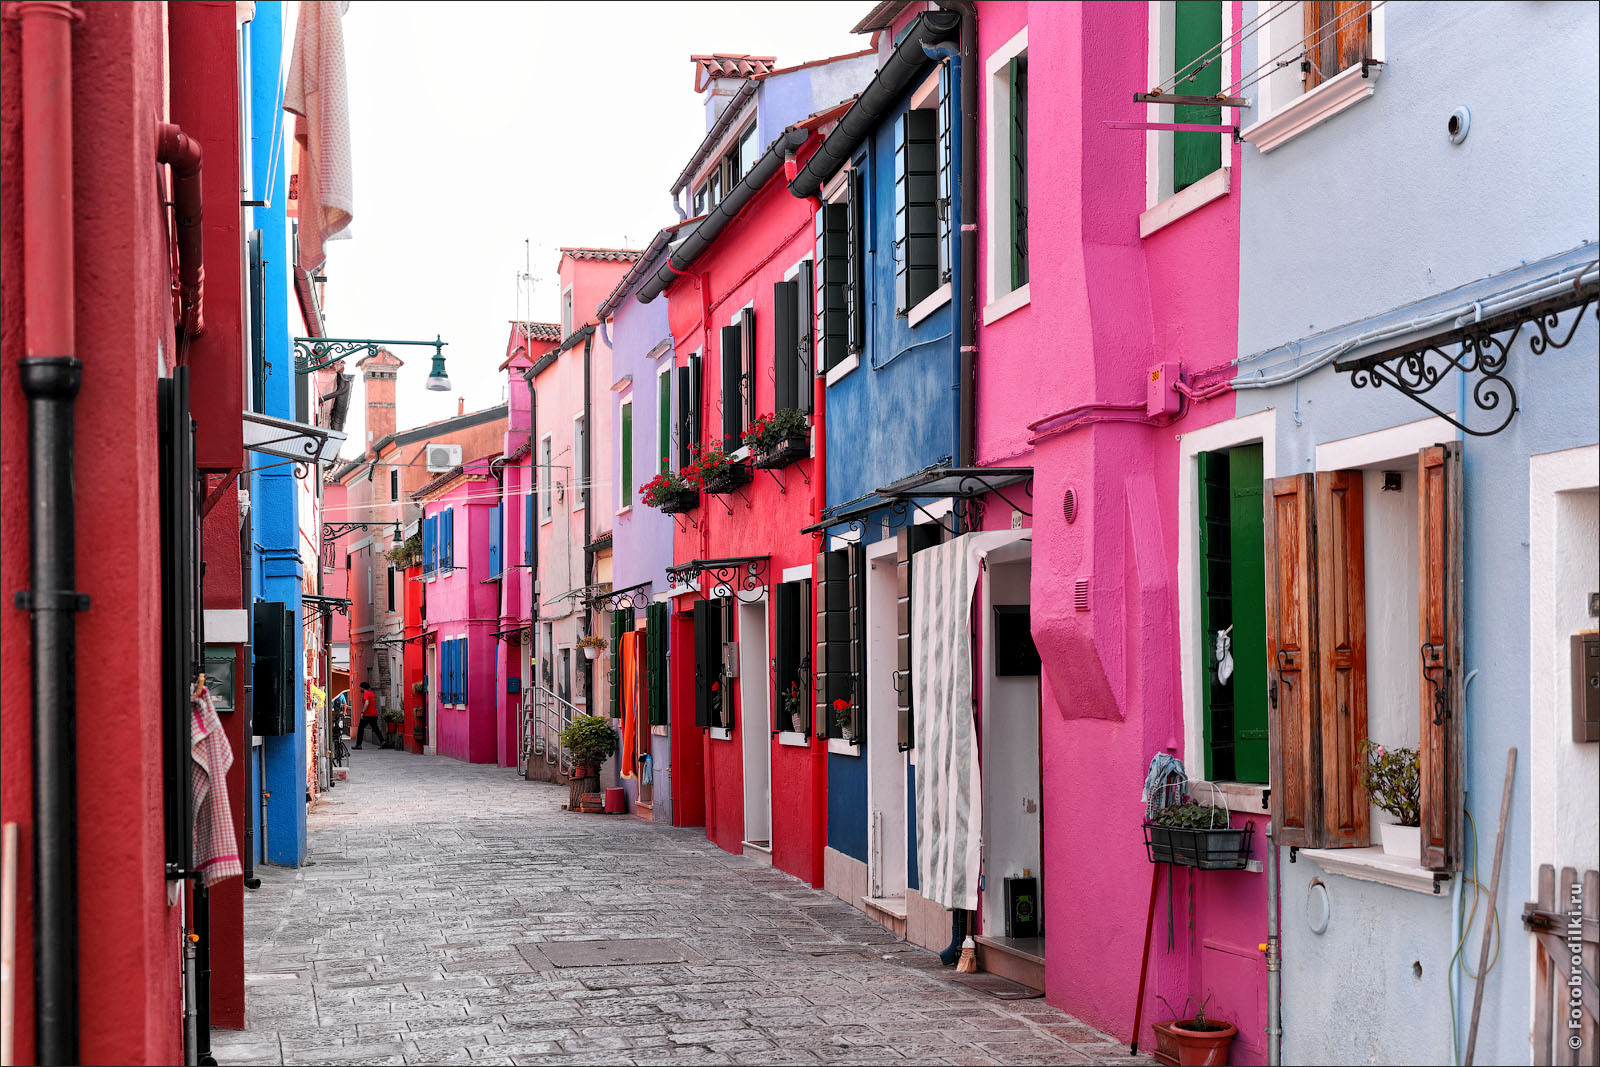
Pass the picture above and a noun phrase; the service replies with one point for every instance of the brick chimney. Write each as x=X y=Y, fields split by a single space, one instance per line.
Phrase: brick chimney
x=378 y=376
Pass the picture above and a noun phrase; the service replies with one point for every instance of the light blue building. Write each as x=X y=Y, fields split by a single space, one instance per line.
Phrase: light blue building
x=1418 y=269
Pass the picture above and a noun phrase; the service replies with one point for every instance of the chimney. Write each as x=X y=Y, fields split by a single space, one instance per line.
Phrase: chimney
x=378 y=373
x=721 y=75
x=461 y=405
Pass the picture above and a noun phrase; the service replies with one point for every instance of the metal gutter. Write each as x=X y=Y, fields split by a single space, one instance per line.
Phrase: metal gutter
x=904 y=66
x=582 y=333
x=714 y=136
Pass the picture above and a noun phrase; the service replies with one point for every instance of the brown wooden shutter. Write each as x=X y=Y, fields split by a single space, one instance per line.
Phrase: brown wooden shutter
x=1291 y=540
x=1440 y=587
x=1336 y=36
x=1342 y=658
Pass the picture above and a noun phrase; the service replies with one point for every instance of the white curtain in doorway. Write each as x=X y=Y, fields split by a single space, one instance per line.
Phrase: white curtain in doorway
x=949 y=797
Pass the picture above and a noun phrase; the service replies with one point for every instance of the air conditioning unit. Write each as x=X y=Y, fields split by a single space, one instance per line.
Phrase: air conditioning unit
x=443 y=457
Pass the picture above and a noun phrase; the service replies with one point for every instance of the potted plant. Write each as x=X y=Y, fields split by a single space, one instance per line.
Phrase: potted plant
x=1393 y=780
x=419 y=727
x=1198 y=835
x=793 y=703
x=591 y=645
x=1200 y=1042
x=590 y=741
x=670 y=492
x=780 y=438
x=715 y=471
x=393 y=719
x=844 y=718
x=420 y=687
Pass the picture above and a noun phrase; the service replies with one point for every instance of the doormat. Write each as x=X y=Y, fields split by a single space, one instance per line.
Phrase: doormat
x=1000 y=988
x=635 y=951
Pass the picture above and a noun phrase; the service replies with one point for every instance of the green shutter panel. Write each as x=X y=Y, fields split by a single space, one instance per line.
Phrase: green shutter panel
x=833 y=228
x=1019 y=172
x=785 y=346
x=663 y=460
x=783 y=658
x=803 y=649
x=1249 y=567
x=627 y=455
x=615 y=664
x=1216 y=613
x=696 y=402
x=707 y=662
x=1197 y=30
x=656 y=622
x=729 y=627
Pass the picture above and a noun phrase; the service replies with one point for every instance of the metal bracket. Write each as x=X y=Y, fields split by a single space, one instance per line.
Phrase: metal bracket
x=51 y=600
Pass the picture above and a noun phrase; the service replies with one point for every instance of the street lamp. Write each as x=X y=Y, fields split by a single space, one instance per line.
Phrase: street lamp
x=438 y=381
x=315 y=353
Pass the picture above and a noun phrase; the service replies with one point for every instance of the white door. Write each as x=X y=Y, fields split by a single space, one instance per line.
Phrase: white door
x=886 y=764
x=755 y=723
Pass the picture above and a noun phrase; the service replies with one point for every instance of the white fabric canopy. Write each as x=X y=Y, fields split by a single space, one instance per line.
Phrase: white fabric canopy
x=316 y=93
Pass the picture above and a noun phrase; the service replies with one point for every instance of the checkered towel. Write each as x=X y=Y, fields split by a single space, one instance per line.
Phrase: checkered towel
x=216 y=853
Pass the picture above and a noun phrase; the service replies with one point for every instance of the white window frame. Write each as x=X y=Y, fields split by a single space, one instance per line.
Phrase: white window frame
x=568 y=316
x=664 y=385
x=1162 y=205
x=1262 y=428
x=837 y=191
x=1283 y=108
x=547 y=449
x=580 y=473
x=999 y=300
x=624 y=506
x=737 y=319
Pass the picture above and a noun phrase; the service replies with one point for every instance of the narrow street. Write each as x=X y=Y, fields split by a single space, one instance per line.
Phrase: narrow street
x=454 y=914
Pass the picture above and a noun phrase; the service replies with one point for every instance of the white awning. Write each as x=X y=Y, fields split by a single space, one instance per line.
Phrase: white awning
x=290 y=439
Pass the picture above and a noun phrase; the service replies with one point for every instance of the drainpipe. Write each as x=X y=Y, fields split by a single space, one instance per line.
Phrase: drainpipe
x=588 y=502
x=50 y=375
x=177 y=148
x=1274 y=960
x=969 y=222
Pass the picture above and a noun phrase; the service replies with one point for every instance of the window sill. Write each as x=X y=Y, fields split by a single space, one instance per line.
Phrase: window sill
x=1243 y=798
x=930 y=303
x=793 y=738
x=843 y=367
x=721 y=733
x=740 y=454
x=624 y=511
x=838 y=746
x=658 y=730
x=1213 y=186
x=999 y=308
x=1374 y=865
x=1343 y=90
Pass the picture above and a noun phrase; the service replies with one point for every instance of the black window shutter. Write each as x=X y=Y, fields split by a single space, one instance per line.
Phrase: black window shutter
x=707 y=663
x=786 y=658
x=834 y=662
x=268 y=692
x=685 y=415
x=857 y=557
x=747 y=327
x=805 y=318
x=656 y=622
x=696 y=402
x=946 y=164
x=854 y=290
x=916 y=208
x=832 y=314
x=785 y=345
x=902 y=677
x=732 y=361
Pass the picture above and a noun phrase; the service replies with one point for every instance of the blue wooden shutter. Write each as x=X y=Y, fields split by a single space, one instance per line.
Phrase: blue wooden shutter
x=430 y=545
x=464 y=661
x=447 y=673
x=448 y=535
x=496 y=545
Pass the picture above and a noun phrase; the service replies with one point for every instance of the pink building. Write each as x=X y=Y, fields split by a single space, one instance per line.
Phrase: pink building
x=461 y=554
x=1093 y=370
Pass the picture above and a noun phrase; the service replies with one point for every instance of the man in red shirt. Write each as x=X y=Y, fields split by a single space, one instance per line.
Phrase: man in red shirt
x=369 y=716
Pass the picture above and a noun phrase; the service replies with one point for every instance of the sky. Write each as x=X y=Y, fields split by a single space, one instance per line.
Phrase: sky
x=479 y=127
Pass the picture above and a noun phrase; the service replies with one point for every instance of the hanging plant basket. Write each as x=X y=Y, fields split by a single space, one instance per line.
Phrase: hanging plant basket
x=784 y=452
x=727 y=479
x=1223 y=849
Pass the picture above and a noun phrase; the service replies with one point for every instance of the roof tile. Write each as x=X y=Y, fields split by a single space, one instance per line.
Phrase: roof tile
x=604 y=255
x=730 y=65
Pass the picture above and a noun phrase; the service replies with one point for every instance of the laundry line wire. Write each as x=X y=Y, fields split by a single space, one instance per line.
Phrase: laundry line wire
x=1219 y=50
x=1340 y=22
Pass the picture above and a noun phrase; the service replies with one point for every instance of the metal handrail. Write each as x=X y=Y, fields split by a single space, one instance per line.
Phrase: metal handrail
x=543 y=716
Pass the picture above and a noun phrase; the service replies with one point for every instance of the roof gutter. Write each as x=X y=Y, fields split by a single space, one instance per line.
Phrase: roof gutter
x=904 y=66
x=582 y=333
x=728 y=210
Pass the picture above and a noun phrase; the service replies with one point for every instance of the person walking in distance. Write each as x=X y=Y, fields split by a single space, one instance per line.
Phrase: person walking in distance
x=369 y=716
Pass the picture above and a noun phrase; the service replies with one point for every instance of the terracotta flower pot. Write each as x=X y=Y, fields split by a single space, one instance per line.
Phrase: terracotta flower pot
x=1203 y=1048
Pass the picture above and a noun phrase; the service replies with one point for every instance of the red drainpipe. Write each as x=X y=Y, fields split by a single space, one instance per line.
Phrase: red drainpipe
x=183 y=153
x=50 y=374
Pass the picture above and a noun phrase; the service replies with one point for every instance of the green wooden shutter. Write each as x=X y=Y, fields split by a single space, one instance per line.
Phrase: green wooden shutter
x=1216 y=612
x=785 y=346
x=615 y=662
x=627 y=455
x=1197 y=30
x=1249 y=569
x=664 y=422
x=685 y=416
x=657 y=620
x=707 y=662
x=1019 y=171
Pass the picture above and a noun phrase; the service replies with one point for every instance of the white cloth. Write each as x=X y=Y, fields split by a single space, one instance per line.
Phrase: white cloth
x=316 y=93
x=949 y=788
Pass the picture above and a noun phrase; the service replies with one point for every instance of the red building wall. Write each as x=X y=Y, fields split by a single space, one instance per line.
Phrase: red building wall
x=128 y=936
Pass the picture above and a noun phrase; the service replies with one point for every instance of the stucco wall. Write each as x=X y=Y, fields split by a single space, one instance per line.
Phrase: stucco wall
x=1417 y=217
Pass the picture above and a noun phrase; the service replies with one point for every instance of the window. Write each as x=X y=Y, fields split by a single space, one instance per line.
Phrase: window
x=1337 y=36
x=394 y=483
x=1331 y=56
x=621 y=623
x=430 y=544
x=791 y=340
x=1018 y=138
x=545 y=477
x=738 y=378
x=566 y=313
x=1186 y=169
x=447 y=539
x=746 y=152
x=840 y=297
x=527 y=521
x=701 y=201
x=580 y=465
x=372 y=578
x=1232 y=635
x=688 y=408
x=496 y=540
x=909 y=540
x=564 y=682
x=841 y=668
x=391 y=588
x=922 y=143
x=1006 y=116
x=657 y=618
x=625 y=435
x=712 y=706
x=1324 y=540
x=664 y=416
x=1196 y=35
x=791 y=678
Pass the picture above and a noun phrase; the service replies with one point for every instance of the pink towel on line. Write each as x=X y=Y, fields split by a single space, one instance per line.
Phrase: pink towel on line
x=216 y=851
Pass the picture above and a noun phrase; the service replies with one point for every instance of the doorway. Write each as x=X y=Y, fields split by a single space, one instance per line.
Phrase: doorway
x=755 y=724
x=887 y=854
x=431 y=670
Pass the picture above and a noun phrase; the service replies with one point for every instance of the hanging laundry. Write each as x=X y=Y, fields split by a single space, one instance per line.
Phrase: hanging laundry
x=626 y=660
x=216 y=851
x=317 y=94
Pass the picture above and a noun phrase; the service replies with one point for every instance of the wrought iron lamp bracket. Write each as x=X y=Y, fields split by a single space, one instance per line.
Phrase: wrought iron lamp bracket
x=317 y=353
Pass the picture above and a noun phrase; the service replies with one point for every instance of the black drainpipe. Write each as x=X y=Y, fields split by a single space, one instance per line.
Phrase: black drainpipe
x=51 y=386
x=588 y=500
x=244 y=693
x=969 y=223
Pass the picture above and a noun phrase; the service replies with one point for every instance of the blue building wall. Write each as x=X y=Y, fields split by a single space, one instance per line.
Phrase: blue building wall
x=787 y=98
x=276 y=570
x=898 y=411
x=1385 y=211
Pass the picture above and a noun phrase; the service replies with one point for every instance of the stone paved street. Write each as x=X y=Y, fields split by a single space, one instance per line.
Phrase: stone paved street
x=428 y=928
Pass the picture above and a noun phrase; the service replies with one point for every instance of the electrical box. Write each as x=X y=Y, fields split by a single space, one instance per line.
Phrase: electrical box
x=1161 y=390
x=1022 y=906
x=513 y=683
x=1586 y=687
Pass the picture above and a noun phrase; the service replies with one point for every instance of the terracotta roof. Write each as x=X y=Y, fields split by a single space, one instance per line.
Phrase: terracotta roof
x=729 y=65
x=539 y=331
x=880 y=16
x=604 y=255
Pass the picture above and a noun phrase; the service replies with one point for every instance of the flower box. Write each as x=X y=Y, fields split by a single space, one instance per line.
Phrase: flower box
x=726 y=479
x=681 y=501
x=785 y=452
x=1226 y=848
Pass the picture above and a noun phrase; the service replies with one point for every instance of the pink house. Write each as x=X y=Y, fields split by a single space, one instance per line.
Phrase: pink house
x=1094 y=369
x=461 y=554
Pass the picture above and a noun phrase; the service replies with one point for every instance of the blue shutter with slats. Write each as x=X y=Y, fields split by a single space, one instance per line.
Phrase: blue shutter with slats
x=495 y=542
x=527 y=522
x=447 y=538
x=446 y=677
x=430 y=544
x=463 y=670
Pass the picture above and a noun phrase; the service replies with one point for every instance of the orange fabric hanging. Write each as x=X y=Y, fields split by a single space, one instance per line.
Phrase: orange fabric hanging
x=626 y=661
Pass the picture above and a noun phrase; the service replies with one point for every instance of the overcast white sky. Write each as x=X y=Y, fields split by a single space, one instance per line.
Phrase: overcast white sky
x=477 y=126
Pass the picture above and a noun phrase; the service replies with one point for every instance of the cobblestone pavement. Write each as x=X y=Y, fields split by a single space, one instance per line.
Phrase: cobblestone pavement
x=428 y=923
